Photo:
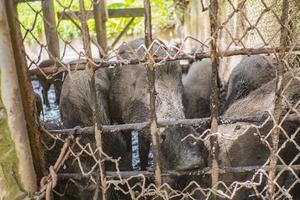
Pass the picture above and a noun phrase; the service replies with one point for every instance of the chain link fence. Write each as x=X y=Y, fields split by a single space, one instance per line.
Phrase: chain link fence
x=250 y=150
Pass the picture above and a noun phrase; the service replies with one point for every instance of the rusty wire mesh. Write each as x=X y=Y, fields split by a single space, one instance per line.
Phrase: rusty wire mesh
x=253 y=151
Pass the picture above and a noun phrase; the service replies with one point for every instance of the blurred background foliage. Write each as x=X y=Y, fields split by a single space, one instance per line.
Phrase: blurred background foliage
x=30 y=17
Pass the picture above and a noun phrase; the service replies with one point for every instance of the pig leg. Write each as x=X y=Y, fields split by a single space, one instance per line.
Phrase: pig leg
x=127 y=137
x=45 y=86
x=58 y=82
x=144 y=148
x=57 y=89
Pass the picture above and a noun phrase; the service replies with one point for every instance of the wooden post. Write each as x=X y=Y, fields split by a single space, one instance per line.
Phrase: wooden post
x=50 y=28
x=100 y=15
x=28 y=97
x=17 y=175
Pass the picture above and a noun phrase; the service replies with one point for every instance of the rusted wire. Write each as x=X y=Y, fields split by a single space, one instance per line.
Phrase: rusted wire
x=91 y=71
x=278 y=98
x=152 y=92
x=214 y=98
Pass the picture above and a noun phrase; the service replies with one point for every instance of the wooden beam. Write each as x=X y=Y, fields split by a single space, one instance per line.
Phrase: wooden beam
x=112 y=13
x=126 y=12
x=122 y=32
x=23 y=1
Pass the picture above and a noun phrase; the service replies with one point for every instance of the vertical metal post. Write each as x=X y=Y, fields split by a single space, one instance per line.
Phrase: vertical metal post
x=50 y=28
x=100 y=15
x=278 y=97
x=214 y=98
x=151 y=81
x=91 y=72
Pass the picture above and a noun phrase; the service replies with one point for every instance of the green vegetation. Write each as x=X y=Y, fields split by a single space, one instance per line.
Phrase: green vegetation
x=30 y=17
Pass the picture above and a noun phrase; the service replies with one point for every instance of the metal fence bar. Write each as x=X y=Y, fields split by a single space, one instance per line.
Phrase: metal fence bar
x=169 y=123
x=214 y=98
x=151 y=83
x=278 y=98
x=91 y=72
x=196 y=56
x=208 y=171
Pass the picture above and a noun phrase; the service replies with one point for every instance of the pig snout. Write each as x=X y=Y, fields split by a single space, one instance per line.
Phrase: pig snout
x=180 y=151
